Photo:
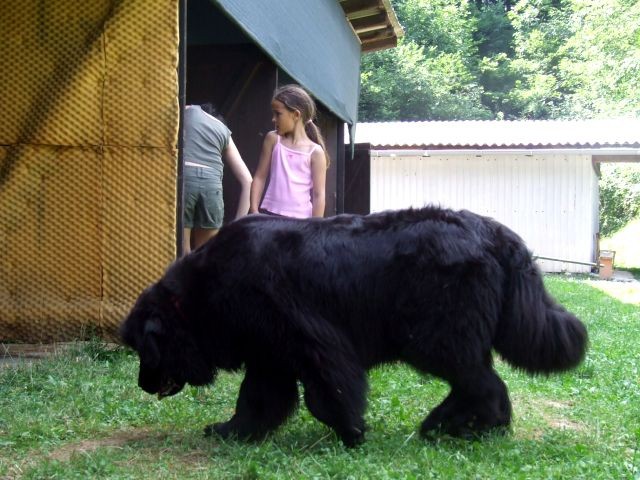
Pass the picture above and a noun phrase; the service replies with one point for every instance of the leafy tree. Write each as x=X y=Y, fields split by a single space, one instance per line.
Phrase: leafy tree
x=604 y=60
x=429 y=74
x=541 y=30
x=477 y=59
x=494 y=31
x=407 y=84
x=619 y=196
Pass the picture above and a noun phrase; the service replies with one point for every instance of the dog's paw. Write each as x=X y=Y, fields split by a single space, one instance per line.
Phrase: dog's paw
x=234 y=430
x=468 y=428
x=352 y=437
x=221 y=429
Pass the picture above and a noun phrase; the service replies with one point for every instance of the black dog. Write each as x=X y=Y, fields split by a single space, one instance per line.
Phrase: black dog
x=321 y=301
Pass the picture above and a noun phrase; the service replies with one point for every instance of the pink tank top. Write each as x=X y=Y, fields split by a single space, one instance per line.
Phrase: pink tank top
x=290 y=182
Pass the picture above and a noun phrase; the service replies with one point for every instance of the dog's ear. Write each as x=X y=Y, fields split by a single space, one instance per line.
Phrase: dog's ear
x=150 y=350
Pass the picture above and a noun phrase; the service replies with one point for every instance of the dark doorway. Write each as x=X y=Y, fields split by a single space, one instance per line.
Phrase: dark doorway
x=357 y=181
x=239 y=81
x=227 y=68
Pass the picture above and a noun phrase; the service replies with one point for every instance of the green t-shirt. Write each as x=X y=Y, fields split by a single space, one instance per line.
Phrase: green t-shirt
x=205 y=138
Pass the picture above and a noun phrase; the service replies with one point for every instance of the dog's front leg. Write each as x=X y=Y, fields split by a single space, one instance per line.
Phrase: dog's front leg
x=336 y=395
x=267 y=397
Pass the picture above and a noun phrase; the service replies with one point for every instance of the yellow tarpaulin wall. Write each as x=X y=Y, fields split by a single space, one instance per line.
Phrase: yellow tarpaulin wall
x=88 y=132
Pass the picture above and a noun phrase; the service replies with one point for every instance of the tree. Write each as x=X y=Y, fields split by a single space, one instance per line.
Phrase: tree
x=429 y=74
x=478 y=59
x=541 y=30
x=604 y=62
x=619 y=196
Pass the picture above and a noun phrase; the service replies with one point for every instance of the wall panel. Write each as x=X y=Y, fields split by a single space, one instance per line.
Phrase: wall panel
x=547 y=199
x=89 y=101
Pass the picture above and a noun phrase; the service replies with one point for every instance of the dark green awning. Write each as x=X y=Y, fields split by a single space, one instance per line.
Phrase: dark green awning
x=311 y=41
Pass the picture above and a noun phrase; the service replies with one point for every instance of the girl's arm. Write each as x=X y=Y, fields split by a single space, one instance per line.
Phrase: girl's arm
x=241 y=172
x=318 y=177
x=262 y=172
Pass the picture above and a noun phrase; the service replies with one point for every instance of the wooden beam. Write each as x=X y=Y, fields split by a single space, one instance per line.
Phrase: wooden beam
x=374 y=22
x=380 y=44
x=361 y=8
x=378 y=34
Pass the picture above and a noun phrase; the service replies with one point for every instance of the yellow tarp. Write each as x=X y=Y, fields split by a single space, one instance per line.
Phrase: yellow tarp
x=88 y=132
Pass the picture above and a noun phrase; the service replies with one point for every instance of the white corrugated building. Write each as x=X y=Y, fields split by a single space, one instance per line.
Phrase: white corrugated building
x=540 y=178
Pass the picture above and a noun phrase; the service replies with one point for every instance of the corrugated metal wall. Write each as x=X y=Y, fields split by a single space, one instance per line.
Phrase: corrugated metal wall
x=547 y=199
x=88 y=156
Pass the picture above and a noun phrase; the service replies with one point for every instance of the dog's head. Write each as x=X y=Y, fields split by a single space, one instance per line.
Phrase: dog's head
x=166 y=343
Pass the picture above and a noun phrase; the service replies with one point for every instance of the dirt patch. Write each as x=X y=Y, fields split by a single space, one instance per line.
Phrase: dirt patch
x=552 y=412
x=554 y=416
x=66 y=452
x=34 y=350
x=152 y=447
x=117 y=440
x=17 y=354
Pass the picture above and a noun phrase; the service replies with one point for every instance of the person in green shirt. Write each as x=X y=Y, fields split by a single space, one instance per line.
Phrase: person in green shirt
x=207 y=148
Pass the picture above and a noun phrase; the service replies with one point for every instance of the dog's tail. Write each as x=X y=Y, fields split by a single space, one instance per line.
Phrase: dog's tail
x=535 y=333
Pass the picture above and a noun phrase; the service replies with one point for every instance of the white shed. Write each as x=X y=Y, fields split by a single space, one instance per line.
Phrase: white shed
x=540 y=178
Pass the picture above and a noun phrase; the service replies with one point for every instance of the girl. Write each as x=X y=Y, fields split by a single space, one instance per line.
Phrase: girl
x=293 y=157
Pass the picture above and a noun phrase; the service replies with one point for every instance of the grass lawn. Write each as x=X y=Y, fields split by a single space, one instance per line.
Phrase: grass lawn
x=80 y=415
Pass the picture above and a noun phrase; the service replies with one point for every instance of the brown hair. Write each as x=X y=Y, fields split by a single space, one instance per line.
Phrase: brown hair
x=294 y=97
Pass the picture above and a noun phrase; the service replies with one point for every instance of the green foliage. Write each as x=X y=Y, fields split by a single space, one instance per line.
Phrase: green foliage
x=428 y=75
x=81 y=415
x=604 y=59
x=497 y=59
x=619 y=196
x=494 y=31
x=408 y=83
x=541 y=29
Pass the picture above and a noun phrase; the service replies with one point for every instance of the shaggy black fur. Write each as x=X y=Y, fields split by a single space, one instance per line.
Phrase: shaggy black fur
x=322 y=301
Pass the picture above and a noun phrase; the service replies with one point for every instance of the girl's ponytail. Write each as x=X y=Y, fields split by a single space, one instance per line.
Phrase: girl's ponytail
x=314 y=133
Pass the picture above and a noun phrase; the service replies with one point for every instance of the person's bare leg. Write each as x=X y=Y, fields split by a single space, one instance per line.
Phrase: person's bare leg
x=202 y=235
x=186 y=241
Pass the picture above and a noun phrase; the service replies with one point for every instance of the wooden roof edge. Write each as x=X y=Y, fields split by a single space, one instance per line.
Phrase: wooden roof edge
x=395 y=23
x=374 y=22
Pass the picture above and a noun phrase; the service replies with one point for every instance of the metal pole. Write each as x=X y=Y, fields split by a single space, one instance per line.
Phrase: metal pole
x=591 y=264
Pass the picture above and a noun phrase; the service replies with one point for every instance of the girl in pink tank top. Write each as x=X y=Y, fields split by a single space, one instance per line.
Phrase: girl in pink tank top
x=293 y=158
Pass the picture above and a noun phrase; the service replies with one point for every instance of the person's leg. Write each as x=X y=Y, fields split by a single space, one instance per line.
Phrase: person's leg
x=186 y=241
x=209 y=215
x=190 y=200
x=202 y=235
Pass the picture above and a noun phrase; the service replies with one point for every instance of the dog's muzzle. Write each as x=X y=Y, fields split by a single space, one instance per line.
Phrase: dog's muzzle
x=169 y=388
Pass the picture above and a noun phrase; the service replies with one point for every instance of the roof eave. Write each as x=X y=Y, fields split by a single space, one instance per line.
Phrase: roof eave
x=374 y=22
x=605 y=153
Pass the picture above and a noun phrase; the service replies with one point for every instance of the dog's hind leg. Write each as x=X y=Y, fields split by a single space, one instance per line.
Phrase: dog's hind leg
x=457 y=348
x=335 y=394
x=478 y=403
x=267 y=398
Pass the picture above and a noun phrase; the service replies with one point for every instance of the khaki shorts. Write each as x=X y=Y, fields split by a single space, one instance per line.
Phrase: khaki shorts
x=203 y=202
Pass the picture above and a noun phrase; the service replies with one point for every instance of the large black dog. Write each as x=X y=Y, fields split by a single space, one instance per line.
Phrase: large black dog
x=321 y=301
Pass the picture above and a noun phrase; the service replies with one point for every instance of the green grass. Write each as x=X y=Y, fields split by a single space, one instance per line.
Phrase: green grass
x=80 y=415
x=626 y=244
